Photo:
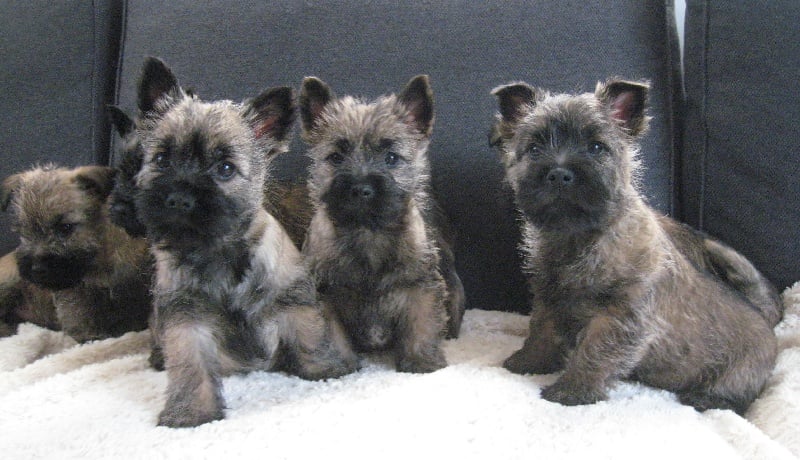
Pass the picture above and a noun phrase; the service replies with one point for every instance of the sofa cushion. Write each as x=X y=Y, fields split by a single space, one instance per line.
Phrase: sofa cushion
x=740 y=167
x=57 y=75
x=234 y=49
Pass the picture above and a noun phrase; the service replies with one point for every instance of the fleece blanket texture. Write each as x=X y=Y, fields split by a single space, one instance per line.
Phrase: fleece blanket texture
x=101 y=400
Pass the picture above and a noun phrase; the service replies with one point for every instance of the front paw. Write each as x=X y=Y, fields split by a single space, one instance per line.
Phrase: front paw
x=421 y=364
x=186 y=417
x=522 y=362
x=573 y=394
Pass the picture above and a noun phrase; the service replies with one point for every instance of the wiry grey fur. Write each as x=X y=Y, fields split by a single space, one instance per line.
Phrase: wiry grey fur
x=620 y=291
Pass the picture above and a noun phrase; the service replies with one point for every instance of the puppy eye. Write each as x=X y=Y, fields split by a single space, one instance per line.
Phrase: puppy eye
x=391 y=159
x=225 y=170
x=64 y=230
x=162 y=161
x=596 y=148
x=534 y=150
x=335 y=158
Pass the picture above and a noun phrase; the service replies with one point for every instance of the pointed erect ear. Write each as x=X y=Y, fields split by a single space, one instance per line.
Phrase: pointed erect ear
x=9 y=188
x=626 y=101
x=314 y=96
x=155 y=82
x=119 y=120
x=417 y=96
x=513 y=100
x=95 y=180
x=272 y=113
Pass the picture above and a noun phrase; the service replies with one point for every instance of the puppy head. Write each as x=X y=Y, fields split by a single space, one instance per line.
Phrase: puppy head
x=59 y=216
x=122 y=210
x=570 y=159
x=204 y=163
x=369 y=159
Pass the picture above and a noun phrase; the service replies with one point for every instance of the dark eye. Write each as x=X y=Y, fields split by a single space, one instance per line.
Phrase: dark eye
x=534 y=150
x=596 y=148
x=64 y=229
x=335 y=158
x=225 y=170
x=391 y=158
x=162 y=161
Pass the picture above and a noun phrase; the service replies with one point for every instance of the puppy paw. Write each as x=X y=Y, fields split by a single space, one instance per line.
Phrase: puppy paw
x=156 y=359
x=521 y=362
x=186 y=417
x=703 y=401
x=572 y=394
x=421 y=364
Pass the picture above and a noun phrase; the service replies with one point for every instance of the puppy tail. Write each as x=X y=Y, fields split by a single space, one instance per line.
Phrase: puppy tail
x=734 y=269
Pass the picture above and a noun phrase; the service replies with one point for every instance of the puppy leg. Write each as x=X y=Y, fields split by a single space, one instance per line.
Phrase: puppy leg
x=543 y=350
x=610 y=347
x=83 y=313
x=420 y=328
x=317 y=344
x=193 y=359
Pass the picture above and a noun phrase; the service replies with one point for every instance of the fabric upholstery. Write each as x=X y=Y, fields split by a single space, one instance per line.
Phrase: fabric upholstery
x=741 y=180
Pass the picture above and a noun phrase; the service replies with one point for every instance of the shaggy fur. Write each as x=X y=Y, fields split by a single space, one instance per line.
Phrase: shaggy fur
x=620 y=291
x=98 y=275
x=231 y=290
x=377 y=243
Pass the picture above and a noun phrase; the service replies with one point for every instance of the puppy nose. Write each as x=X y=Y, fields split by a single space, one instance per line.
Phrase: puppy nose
x=561 y=177
x=38 y=267
x=363 y=191
x=180 y=201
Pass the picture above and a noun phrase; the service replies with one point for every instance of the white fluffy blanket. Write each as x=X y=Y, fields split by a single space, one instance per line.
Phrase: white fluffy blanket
x=100 y=400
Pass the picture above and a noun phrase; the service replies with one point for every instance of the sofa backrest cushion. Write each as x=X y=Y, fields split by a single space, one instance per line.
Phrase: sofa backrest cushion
x=233 y=50
x=742 y=129
x=57 y=74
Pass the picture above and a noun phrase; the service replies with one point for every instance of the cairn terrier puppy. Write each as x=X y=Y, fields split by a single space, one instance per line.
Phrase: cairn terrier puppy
x=99 y=276
x=231 y=291
x=620 y=291
x=377 y=244
x=287 y=201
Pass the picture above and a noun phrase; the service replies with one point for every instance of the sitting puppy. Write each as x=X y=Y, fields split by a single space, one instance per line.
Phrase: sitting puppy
x=376 y=244
x=620 y=291
x=99 y=276
x=231 y=290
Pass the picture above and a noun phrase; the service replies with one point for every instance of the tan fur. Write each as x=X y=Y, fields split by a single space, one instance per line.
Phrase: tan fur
x=112 y=295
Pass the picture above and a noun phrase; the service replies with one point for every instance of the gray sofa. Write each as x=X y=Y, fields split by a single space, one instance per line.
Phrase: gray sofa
x=720 y=155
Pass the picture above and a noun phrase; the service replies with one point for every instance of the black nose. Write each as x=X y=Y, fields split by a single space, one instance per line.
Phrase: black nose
x=180 y=201
x=38 y=267
x=363 y=191
x=560 y=177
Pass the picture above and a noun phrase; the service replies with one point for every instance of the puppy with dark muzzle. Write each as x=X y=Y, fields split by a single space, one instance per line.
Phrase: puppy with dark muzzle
x=377 y=244
x=98 y=275
x=286 y=200
x=231 y=291
x=620 y=291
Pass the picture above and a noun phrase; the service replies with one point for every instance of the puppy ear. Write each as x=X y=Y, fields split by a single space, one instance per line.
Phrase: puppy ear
x=417 y=97
x=314 y=96
x=513 y=100
x=272 y=113
x=156 y=82
x=119 y=120
x=9 y=188
x=626 y=101
x=95 y=180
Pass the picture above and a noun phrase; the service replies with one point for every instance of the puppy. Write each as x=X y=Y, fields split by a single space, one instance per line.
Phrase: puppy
x=98 y=275
x=620 y=291
x=375 y=244
x=231 y=290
